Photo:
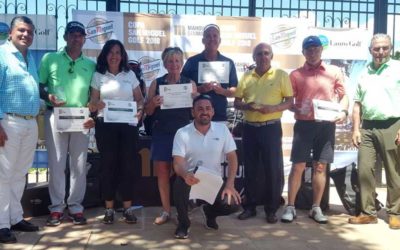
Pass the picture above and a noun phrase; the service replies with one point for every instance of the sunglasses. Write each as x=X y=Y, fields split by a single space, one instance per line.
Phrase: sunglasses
x=177 y=49
x=71 y=67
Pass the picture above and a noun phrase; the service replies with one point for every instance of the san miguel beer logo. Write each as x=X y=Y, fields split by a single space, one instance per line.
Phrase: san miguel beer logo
x=150 y=68
x=99 y=30
x=283 y=36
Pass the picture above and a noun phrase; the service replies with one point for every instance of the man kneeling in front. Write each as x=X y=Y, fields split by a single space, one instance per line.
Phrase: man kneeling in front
x=203 y=144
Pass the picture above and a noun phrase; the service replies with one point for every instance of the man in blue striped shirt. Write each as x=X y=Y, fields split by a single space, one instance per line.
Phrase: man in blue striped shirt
x=19 y=105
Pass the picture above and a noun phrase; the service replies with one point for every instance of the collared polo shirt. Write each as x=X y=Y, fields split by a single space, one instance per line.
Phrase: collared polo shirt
x=19 y=90
x=57 y=69
x=206 y=150
x=326 y=82
x=115 y=87
x=191 y=71
x=269 y=89
x=378 y=91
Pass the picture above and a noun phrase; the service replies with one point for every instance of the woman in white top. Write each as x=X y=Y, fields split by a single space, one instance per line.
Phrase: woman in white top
x=113 y=80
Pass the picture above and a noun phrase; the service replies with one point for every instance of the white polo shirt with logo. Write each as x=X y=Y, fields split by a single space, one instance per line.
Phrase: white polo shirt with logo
x=206 y=150
x=115 y=87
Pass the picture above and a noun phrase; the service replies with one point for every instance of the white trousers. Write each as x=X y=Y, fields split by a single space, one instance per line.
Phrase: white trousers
x=16 y=158
x=59 y=146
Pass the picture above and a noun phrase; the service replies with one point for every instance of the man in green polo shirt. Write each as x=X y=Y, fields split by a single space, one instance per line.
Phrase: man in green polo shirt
x=65 y=78
x=377 y=105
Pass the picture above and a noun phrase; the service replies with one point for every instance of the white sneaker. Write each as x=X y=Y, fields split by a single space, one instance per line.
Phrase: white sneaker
x=289 y=214
x=317 y=215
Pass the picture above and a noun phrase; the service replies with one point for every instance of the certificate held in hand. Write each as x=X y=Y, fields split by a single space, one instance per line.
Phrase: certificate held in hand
x=214 y=72
x=120 y=111
x=176 y=96
x=325 y=110
x=70 y=119
x=208 y=187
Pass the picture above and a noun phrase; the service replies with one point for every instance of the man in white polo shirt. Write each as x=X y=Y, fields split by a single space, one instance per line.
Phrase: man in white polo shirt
x=203 y=143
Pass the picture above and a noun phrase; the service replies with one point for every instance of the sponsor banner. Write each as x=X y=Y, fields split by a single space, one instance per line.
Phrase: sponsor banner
x=343 y=43
x=146 y=32
x=187 y=31
x=239 y=34
x=45 y=31
x=100 y=27
x=285 y=35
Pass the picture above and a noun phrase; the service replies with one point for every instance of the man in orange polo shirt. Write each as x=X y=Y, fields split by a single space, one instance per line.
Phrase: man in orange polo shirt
x=314 y=80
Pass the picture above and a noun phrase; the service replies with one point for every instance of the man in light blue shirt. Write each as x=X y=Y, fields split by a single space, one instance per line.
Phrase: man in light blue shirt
x=19 y=105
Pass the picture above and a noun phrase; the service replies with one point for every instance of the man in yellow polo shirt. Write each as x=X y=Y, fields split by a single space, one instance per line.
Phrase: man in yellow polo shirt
x=263 y=94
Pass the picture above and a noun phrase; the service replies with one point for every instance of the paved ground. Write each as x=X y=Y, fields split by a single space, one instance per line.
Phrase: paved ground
x=254 y=233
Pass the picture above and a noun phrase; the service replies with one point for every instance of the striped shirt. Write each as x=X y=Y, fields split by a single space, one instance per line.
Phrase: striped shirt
x=19 y=89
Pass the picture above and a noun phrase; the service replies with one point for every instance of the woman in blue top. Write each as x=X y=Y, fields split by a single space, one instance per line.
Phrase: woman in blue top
x=165 y=124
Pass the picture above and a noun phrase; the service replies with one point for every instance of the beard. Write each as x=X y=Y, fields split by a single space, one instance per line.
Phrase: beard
x=204 y=120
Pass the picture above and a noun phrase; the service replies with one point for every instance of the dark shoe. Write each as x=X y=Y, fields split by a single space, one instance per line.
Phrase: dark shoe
x=271 y=218
x=182 y=232
x=209 y=221
x=129 y=216
x=24 y=226
x=54 y=219
x=394 y=222
x=109 y=216
x=282 y=202
x=78 y=219
x=363 y=219
x=247 y=213
x=6 y=236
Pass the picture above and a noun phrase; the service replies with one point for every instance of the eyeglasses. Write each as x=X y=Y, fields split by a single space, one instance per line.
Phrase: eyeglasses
x=71 y=67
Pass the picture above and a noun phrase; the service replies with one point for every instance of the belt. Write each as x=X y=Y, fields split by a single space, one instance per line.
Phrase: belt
x=260 y=124
x=26 y=117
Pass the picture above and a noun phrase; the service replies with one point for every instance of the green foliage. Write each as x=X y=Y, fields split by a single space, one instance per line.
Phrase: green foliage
x=396 y=55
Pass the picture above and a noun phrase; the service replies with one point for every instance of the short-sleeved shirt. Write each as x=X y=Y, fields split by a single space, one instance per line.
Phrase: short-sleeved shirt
x=378 y=91
x=220 y=103
x=57 y=69
x=325 y=82
x=206 y=150
x=115 y=87
x=19 y=90
x=269 y=89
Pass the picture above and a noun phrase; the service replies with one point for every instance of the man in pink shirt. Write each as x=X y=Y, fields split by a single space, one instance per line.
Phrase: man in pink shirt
x=313 y=140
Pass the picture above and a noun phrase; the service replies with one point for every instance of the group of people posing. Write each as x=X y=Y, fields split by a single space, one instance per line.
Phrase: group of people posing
x=187 y=138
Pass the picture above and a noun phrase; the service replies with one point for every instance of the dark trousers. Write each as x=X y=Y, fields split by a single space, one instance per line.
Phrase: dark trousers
x=262 y=154
x=181 y=199
x=117 y=143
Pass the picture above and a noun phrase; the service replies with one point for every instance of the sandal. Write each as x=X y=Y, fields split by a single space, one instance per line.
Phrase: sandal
x=163 y=218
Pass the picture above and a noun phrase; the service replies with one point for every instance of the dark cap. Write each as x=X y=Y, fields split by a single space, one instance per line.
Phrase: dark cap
x=311 y=41
x=75 y=26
